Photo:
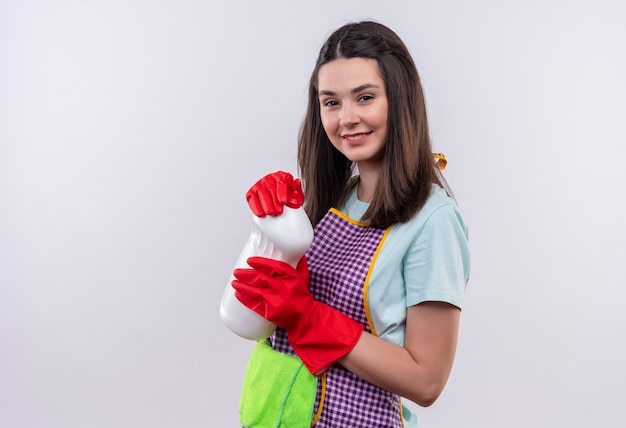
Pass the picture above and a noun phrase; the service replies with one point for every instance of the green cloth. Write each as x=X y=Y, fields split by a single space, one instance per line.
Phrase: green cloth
x=278 y=390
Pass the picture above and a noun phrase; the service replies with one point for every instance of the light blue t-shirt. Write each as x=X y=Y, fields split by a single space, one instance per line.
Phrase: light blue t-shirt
x=425 y=259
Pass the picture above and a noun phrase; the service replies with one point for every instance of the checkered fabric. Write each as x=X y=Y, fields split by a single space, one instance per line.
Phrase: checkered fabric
x=339 y=260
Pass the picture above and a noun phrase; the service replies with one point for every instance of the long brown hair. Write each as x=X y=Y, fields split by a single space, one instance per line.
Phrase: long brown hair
x=408 y=169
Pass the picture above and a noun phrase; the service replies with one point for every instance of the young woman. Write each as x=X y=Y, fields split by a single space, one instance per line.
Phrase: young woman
x=372 y=311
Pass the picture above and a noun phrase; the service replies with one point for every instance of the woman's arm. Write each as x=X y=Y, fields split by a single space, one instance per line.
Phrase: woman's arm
x=419 y=370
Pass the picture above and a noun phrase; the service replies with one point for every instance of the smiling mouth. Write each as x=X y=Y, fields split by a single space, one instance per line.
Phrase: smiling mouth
x=354 y=137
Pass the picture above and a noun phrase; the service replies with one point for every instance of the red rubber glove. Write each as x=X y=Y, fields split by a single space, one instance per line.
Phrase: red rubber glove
x=318 y=333
x=268 y=195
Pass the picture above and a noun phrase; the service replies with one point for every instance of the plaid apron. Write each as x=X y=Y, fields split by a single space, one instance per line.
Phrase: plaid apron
x=341 y=255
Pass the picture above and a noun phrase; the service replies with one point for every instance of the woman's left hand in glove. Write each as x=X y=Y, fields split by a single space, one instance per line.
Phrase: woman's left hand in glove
x=317 y=332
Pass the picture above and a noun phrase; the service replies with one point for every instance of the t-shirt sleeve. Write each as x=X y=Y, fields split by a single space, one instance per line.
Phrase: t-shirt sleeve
x=437 y=263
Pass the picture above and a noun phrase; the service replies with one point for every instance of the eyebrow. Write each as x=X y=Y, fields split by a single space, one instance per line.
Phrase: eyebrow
x=354 y=91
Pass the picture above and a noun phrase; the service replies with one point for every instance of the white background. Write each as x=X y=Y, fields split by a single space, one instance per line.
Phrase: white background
x=130 y=131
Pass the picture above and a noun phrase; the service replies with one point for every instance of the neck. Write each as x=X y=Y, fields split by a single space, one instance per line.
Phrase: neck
x=368 y=178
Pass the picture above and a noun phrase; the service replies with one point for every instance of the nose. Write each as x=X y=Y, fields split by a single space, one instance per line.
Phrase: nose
x=348 y=116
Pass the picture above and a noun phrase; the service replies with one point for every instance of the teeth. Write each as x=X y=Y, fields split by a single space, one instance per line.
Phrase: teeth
x=354 y=137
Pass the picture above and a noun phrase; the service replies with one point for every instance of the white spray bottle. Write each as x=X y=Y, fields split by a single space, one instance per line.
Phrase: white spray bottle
x=284 y=237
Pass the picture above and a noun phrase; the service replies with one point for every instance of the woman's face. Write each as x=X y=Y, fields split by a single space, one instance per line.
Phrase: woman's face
x=354 y=108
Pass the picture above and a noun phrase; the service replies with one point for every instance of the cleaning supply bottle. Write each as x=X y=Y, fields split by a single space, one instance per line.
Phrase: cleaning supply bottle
x=284 y=237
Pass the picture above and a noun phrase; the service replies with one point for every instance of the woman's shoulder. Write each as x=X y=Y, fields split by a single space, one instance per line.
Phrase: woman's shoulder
x=438 y=199
x=439 y=209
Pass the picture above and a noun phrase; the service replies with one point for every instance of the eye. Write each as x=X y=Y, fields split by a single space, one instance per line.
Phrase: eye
x=329 y=103
x=366 y=97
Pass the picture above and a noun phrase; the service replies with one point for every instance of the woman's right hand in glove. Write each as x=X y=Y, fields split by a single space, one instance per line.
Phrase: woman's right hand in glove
x=271 y=193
